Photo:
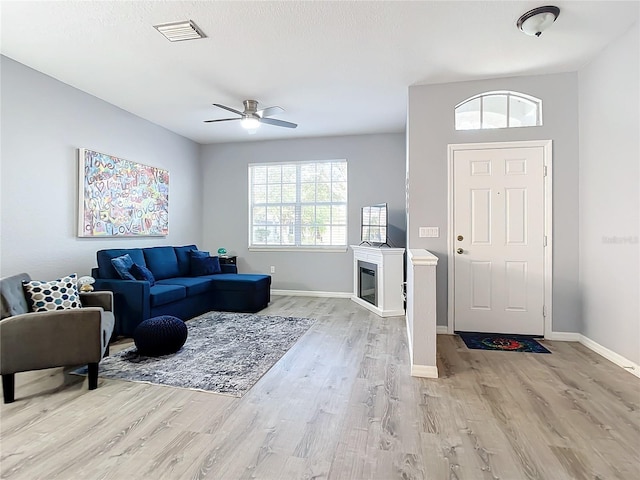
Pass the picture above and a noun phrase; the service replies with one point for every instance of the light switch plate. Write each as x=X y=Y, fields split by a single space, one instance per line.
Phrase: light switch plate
x=429 y=232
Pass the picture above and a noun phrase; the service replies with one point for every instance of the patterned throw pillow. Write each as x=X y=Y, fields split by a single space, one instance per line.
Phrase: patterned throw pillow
x=60 y=294
x=123 y=266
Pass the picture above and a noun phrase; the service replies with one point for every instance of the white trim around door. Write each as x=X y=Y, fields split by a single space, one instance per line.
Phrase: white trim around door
x=546 y=145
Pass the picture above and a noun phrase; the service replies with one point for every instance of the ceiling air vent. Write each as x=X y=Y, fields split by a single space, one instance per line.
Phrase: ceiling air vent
x=178 y=31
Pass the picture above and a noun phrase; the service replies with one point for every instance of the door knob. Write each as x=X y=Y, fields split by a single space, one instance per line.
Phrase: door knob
x=459 y=250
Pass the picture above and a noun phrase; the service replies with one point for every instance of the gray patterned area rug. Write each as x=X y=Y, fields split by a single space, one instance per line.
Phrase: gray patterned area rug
x=224 y=353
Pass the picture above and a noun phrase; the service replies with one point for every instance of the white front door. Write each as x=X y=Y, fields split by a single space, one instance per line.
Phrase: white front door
x=499 y=240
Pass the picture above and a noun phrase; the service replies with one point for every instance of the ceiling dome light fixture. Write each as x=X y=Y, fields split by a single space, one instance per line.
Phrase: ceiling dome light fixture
x=250 y=123
x=536 y=21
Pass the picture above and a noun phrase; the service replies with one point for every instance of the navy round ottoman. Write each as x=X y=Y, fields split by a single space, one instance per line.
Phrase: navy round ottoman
x=160 y=336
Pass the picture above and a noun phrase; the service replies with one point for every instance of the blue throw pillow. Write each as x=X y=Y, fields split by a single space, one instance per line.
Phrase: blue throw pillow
x=123 y=266
x=216 y=265
x=140 y=272
x=204 y=264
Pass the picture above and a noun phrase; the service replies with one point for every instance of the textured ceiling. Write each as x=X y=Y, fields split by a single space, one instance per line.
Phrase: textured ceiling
x=337 y=68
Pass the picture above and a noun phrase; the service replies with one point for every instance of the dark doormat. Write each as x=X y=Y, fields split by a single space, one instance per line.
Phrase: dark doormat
x=500 y=341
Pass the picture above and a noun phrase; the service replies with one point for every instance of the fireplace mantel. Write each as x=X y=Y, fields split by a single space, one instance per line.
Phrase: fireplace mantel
x=389 y=279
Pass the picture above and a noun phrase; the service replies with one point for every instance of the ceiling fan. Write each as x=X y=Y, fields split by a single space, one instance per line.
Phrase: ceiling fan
x=252 y=117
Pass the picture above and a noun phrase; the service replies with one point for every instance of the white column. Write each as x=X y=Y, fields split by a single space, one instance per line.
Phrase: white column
x=421 y=312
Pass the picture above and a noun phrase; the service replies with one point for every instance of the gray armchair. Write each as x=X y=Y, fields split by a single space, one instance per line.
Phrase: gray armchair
x=34 y=341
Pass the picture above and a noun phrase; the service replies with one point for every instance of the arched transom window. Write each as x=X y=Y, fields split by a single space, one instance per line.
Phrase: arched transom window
x=498 y=110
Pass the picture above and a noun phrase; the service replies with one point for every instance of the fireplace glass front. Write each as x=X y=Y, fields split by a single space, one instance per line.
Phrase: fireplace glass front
x=367 y=290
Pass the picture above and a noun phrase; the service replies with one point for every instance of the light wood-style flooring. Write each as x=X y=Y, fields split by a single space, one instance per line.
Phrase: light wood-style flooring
x=339 y=405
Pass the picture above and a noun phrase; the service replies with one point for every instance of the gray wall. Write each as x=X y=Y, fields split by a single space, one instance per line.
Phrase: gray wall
x=610 y=197
x=376 y=170
x=431 y=128
x=44 y=121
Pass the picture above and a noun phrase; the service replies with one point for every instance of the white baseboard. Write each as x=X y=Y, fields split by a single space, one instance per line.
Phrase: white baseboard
x=612 y=356
x=563 y=336
x=311 y=293
x=424 y=371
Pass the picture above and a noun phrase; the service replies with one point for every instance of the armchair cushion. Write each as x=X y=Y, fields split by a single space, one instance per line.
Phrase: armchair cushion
x=59 y=294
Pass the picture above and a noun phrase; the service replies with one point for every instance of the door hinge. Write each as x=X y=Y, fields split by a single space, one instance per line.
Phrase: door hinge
x=544 y=241
x=544 y=310
x=544 y=170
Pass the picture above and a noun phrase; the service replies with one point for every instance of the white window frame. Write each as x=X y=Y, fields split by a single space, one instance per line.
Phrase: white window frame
x=508 y=94
x=298 y=204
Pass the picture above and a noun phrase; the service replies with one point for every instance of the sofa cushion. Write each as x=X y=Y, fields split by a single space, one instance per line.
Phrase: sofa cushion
x=163 y=294
x=184 y=259
x=123 y=266
x=194 y=285
x=59 y=294
x=105 y=268
x=140 y=272
x=162 y=262
x=239 y=281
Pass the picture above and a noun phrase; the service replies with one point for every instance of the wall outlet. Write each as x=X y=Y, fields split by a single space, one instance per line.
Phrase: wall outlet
x=273 y=269
x=429 y=232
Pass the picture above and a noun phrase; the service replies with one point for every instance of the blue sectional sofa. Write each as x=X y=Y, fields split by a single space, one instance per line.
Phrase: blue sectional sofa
x=175 y=292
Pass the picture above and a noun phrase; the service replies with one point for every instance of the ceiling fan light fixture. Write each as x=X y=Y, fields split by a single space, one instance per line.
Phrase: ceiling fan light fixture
x=250 y=123
x=251 y=117
x=536 y=21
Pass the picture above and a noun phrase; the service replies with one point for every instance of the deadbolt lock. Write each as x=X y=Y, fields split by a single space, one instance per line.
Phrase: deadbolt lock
x=460 y=238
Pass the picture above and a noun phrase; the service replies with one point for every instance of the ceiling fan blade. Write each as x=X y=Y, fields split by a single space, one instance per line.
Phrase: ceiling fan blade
x=267 y=112
x=278 y=123
x=221 y=120
x=228 y=108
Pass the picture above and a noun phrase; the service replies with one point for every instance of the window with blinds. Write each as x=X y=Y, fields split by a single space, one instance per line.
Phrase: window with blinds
x=298 y=205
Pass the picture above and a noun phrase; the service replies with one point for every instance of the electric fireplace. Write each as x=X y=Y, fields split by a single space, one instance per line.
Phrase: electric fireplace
x=378 y=279
x=367 y=286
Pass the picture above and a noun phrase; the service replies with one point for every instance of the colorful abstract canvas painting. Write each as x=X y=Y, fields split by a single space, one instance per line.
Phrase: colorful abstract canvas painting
x=121 y=198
